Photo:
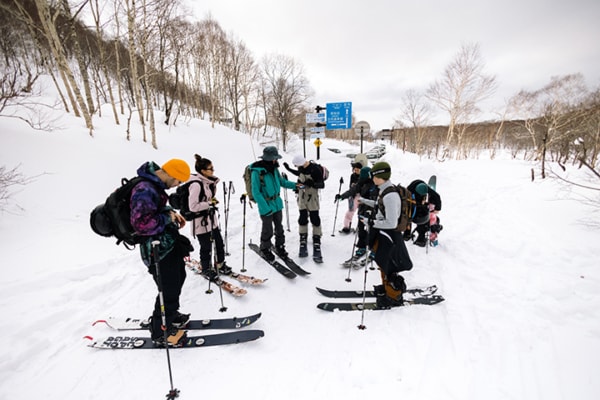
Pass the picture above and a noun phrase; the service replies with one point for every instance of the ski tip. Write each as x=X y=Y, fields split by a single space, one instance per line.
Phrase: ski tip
x=99 y=321
x=88 y=337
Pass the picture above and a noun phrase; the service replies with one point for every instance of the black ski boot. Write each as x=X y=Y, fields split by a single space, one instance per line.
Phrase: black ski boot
x=303 y=252
x=421 y=240
x=317 y=256
x=381 y=298
x=281 y=252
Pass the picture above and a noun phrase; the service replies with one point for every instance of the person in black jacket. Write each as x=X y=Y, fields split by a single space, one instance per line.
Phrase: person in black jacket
x=364 y=188
x=352 y=200
x=310 y=177
x=428 y=205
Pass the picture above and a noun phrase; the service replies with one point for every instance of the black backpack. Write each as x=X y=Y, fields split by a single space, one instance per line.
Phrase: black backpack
x=112 y=218
x=179 y=200
x=324 y=170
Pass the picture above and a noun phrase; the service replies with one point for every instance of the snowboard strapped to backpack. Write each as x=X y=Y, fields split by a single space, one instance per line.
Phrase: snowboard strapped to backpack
x=407 y=208
x=112 y=218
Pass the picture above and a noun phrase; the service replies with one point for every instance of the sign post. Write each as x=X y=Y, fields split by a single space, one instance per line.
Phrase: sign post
x=318 y=143
x=361 y=128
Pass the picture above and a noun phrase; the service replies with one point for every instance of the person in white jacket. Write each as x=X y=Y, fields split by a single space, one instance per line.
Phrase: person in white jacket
x=203 y=199
x=385 y=238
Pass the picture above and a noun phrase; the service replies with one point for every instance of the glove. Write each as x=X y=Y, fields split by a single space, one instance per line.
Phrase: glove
x=286 y=165
x=338 y=197
x=214 y=201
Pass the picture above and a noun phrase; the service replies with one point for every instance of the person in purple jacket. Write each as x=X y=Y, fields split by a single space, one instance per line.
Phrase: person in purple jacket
x=153 y=218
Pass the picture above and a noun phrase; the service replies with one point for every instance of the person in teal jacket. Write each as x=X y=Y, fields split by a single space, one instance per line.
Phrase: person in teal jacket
x=266 y=188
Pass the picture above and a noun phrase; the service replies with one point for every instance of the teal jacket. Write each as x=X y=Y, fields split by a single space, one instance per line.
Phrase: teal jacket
x=266 y=188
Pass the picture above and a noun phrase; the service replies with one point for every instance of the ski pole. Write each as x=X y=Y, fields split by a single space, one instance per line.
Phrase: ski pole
x=337 y=206
x=362 y=325
x=287 y=211
x=213 y=247
x=229 y=192
x=243 y=201
x=352 y=255
x=173 y=393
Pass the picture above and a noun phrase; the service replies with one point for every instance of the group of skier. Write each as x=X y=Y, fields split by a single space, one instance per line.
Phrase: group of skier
x=386 y=213
x=381 y=229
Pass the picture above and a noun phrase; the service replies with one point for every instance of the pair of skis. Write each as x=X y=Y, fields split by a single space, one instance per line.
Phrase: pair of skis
x=290 y=270
x=194 y=266
x=412 y=296
x=140 y=342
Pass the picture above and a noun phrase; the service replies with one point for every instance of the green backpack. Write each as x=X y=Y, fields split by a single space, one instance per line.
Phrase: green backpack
x=407 y=208
x=248 y=181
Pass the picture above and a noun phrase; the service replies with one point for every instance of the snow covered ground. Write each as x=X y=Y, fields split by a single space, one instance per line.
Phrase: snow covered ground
x=517 y=264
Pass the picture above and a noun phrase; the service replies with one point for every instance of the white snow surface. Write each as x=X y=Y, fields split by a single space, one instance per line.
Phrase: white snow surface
x=517 y=265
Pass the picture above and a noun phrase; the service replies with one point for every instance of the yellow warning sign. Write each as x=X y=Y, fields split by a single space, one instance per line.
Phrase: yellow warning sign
x=318 y=142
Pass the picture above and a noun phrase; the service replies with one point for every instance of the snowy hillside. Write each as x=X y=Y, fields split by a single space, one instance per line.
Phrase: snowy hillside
x=517 y=264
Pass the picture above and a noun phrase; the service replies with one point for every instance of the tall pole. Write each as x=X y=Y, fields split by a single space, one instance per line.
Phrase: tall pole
x=361 y=138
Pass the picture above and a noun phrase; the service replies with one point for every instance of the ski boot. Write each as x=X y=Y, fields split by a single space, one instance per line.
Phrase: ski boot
x=267 y=255
x=346 y=230
x=175 y=338
x=303 y=252
x=180 y=320
x=317 y=256
x=421 y=240
x=281 y=252
x=223 y=268
x=210 y=273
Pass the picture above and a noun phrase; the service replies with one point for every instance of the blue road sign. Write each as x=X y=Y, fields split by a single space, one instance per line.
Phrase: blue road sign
x=339 y=115
x=313 y=118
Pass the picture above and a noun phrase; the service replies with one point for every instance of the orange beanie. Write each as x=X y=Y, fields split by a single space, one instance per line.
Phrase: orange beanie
x=177 y=169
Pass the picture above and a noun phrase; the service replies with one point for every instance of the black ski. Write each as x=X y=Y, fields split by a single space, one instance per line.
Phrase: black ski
x=347 y=294
x=138 y=342
x=275 y=264
x=291 y=264
x=122 y=324
x=427 y=300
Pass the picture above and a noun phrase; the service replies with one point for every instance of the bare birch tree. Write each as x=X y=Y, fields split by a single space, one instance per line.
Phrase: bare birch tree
x=48 y=23
x=415 y=112
x=549 y=114
x=133 y=64
x=460 y=90
x=288 y=91
x=103 y=61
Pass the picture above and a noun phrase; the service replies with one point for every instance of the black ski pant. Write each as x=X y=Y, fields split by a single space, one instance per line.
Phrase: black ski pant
x=172 y=274
x=272 y=223
x=391 y=254
x=363 y=235
x=206 y=247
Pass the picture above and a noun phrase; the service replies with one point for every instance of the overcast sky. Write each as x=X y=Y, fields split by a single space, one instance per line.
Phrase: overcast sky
x=371 y=52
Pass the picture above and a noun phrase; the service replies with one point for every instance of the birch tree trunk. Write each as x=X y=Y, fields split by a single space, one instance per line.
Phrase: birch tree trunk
x=62 y=62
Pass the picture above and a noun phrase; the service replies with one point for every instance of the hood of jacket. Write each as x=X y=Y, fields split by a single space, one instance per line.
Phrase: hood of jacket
x=148 y=171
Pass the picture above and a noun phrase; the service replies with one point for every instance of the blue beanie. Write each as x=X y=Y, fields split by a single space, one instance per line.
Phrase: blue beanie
x=365 y=173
